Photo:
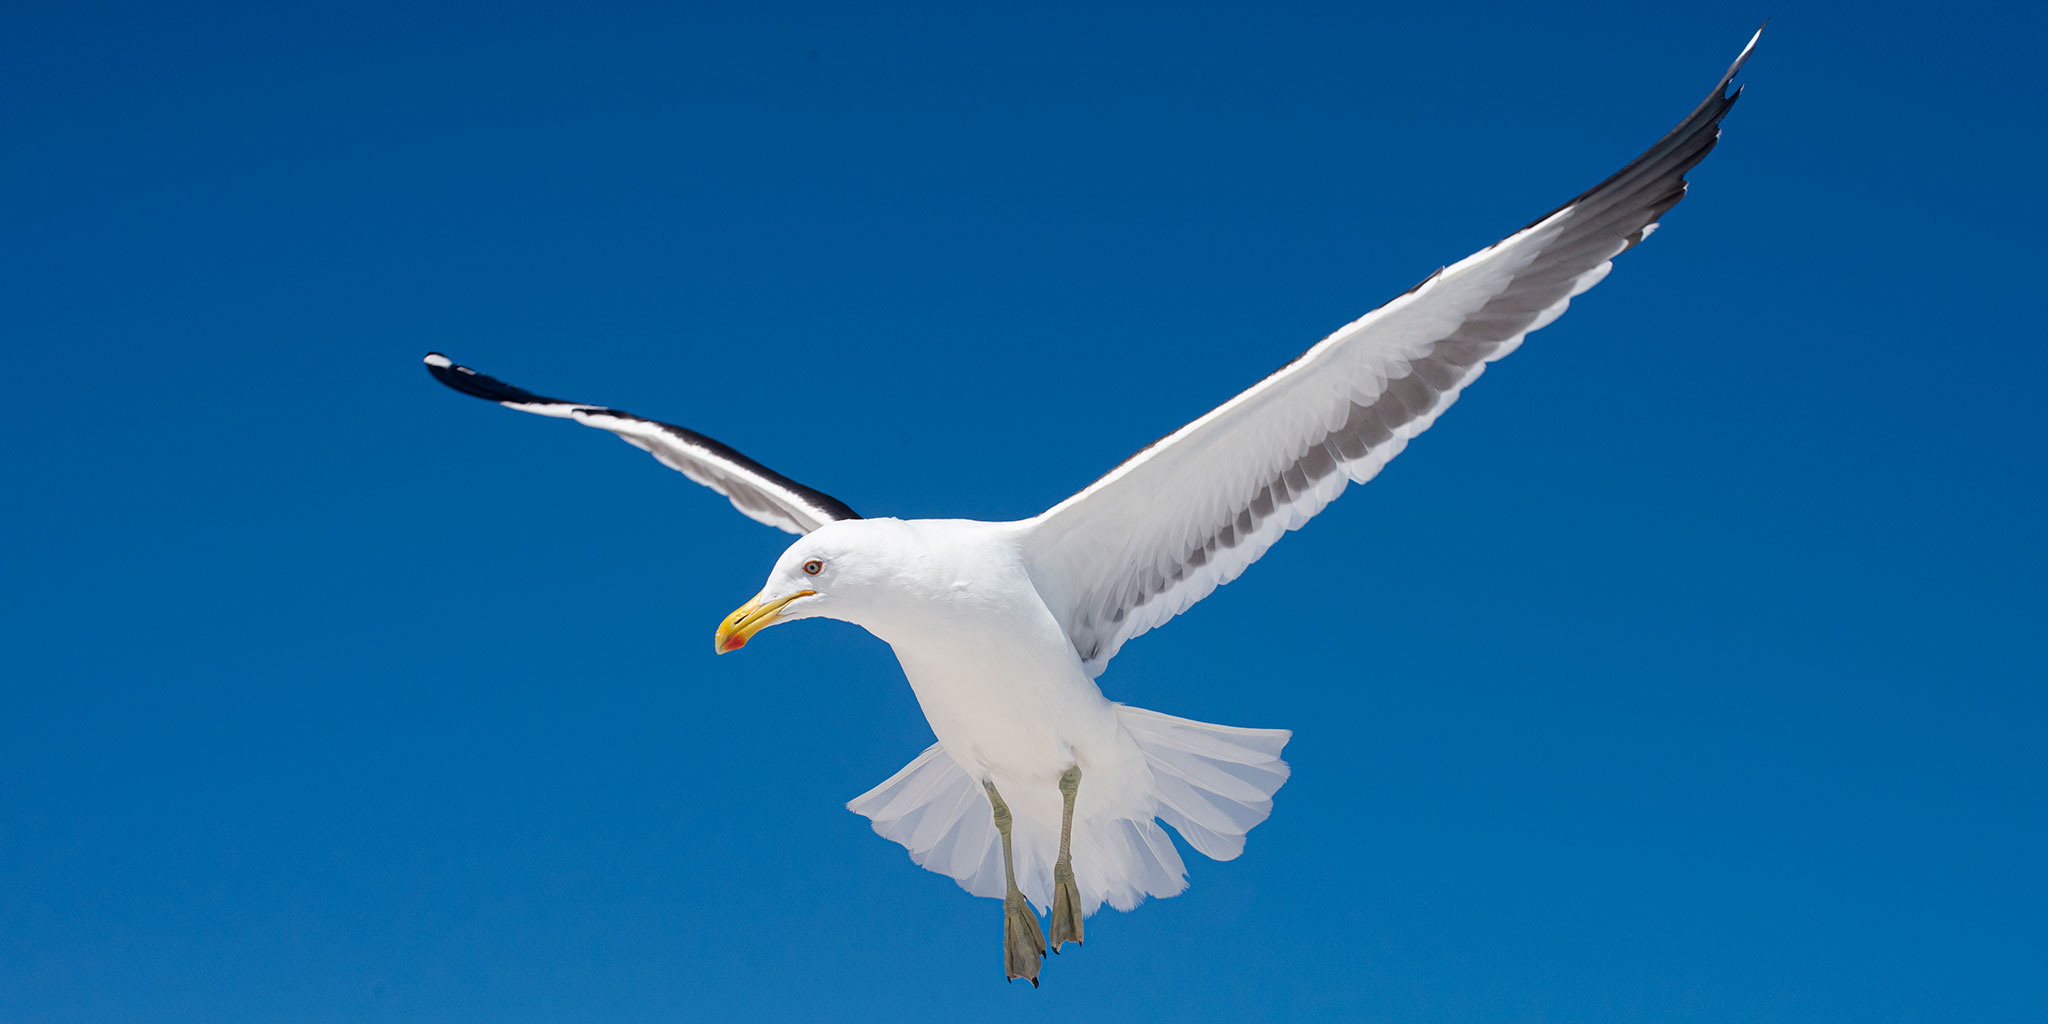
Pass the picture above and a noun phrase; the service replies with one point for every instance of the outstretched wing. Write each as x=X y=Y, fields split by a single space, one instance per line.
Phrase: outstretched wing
x=1193 y=510
x=762 y=493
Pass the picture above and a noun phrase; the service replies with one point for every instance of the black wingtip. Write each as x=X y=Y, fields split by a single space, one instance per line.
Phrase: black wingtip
x=470 y=382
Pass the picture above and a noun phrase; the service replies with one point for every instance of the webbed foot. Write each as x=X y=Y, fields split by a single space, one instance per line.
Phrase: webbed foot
x=1023 y=943
x=1066 y=906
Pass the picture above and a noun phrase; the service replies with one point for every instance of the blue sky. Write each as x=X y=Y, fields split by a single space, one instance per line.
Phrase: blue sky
x=1695 y=675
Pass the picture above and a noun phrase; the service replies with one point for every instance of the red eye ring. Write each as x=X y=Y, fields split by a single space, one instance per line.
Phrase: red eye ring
x=813 y=567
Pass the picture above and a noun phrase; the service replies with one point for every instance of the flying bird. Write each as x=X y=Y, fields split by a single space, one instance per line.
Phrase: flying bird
x=1039 y=790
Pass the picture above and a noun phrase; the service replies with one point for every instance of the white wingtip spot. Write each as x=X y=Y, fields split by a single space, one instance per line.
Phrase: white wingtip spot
x=437 y=359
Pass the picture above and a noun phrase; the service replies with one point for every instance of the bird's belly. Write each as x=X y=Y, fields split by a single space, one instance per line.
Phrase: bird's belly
x=1014 y=714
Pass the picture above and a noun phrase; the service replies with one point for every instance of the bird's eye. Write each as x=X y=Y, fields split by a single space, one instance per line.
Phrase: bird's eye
x=813 y=567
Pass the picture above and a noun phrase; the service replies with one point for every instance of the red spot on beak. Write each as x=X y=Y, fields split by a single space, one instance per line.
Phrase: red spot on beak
x=735 y=642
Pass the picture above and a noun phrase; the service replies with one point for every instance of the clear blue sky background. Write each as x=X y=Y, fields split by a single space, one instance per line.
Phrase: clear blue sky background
x=1690 y=670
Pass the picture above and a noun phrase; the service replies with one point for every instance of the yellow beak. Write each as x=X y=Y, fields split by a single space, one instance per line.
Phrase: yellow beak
x=749 y=619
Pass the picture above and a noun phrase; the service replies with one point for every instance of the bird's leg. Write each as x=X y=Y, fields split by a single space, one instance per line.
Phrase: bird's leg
x=1023 y=943
x=1066 y=899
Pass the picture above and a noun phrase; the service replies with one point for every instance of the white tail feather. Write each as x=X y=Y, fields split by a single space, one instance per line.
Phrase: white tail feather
x=1212 y=783
x=937 y=812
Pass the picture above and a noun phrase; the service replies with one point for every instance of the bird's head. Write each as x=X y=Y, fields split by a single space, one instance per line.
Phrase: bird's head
x=837 y=571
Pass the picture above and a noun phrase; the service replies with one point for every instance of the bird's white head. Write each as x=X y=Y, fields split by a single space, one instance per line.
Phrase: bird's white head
x=842 y=570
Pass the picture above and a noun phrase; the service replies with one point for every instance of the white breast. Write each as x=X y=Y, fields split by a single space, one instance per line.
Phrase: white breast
x=995 y=674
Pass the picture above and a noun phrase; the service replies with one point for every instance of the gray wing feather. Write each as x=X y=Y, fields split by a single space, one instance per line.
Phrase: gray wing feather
x=1193 y=510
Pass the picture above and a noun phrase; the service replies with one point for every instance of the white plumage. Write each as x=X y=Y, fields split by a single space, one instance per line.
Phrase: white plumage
x=1001 y=628
x=1011 y=704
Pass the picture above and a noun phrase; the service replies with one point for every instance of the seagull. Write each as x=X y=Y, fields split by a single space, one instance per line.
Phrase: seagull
x=1039 y=790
